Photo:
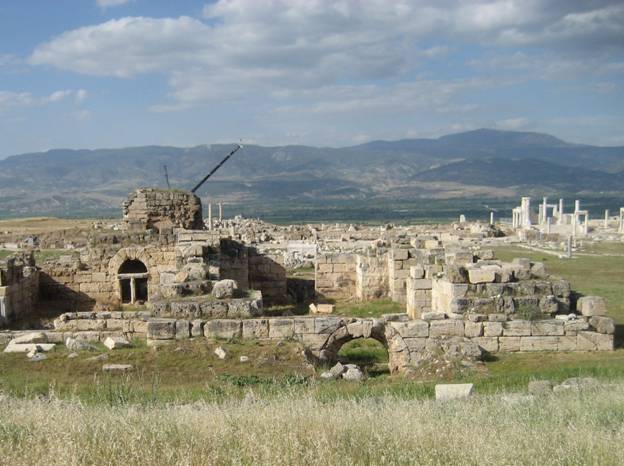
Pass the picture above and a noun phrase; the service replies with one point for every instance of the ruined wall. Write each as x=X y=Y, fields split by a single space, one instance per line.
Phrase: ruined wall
x=19 y=284
x=335 y=275
x=162 y=209
x=234 y=262
x=268 y=274
x=371 y=278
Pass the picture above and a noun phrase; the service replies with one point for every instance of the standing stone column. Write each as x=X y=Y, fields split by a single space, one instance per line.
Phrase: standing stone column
x=210 y=215
x=220 y=212
x=132 y=290
x=491 y=218
x=606 y=221
x=560 y=218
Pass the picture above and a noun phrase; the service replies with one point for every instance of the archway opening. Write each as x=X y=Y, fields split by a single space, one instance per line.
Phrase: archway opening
x=132 y=276
x=368 y=353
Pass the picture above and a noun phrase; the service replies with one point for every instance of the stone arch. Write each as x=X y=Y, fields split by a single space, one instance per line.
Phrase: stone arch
x=367 y=328
x=132 y=255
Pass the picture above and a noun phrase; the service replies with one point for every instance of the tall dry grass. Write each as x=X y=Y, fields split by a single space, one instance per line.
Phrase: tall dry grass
x=573 y=428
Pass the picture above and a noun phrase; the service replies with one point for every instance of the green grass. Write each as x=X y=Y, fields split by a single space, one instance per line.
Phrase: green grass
x=368 y=309
x=5 y=253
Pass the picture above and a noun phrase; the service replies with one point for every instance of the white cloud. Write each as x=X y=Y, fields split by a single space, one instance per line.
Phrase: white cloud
x=513 y=123
x=9 y=99
x=109 y=3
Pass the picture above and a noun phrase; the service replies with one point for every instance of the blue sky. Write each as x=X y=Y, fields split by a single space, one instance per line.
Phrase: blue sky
x=114 y=73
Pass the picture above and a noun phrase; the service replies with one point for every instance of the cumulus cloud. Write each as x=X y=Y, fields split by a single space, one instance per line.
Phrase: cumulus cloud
x=279 y=48
x=9 y=99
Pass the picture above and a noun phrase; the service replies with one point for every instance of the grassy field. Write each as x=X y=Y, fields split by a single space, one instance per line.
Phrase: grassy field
x=566 y=429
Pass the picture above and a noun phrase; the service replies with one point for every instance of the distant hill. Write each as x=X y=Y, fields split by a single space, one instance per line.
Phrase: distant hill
x=475 y=163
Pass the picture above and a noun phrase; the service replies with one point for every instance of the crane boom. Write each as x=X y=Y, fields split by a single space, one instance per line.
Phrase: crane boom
x=198 y=185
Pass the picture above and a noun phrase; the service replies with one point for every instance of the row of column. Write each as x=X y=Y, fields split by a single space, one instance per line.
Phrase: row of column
x=210 y=214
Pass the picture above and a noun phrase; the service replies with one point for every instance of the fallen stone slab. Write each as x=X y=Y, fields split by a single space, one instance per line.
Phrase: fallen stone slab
x=37 y=357
x=75 y=344
x=456 y=391
x=117 y=342
x=117 y=367
x=32 y=337
x=28 y=347
x=220 y=352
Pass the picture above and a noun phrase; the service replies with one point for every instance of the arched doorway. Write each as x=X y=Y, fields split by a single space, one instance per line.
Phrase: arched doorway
x=132 y=276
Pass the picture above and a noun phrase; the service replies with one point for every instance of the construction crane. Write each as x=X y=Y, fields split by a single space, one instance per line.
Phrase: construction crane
x=198 y=185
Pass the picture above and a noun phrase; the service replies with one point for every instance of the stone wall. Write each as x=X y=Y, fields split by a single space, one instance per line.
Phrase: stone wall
x=19 y=283
x=371 y=277
x=335 y=275
x=268 y=274
x=162 y=209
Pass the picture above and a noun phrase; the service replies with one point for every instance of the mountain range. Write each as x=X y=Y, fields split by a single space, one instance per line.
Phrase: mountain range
x=480 y=163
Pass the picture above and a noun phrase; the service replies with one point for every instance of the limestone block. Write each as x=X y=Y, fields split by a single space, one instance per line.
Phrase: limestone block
x=304 y=325
x=197 y=328
x=492 y=329
x=419 y=284
x=591 y=341
x=412 y=328
x=547 y=328
x=417 y=272
x=481 y=275
x=161 y=329
x=360 y=329
x=116 y=343
x=489 y=344
x=432 y=315
x=117 y=367
x=182 y=329
x=31 y=337
x=223 y=329
x=321 y=308
x=445 y=392
x=497 y=317
x=517 y=328
x=539 y=343
x=326 y=324
x=28 y=347
x=473 y=329
x=602 y=324
x=399 y=254
x=255 y=328
x=139 y=326
x=439 y=328
x=592 y=306
x=567 y=343
x=415 y=344
x=281 y=328
x=508 y=344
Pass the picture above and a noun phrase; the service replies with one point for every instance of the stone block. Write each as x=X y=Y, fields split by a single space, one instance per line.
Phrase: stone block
x=255 y=328
x=517 y=328
x=412 y=328
x=360 y=329
x=445 y=392
x=415 y=344
x=183 y=329
x=547 y=328
x=492 y=329
x=161 y=329
x=326 y=324
x=438 y=328
x=399 y=254
x=304 y=325
x=420 y=284
x=572 y=327
x=567 y=343
x=473 y=329
x=31 y=337
x=116 y=343
x=281 y=328
x=539 y=343
x=223 y=329
x=489 y=344
x=417 y=272
x=592 y=306
x=481 y=275
x=28 y=347
x=497 y=317
x=592 y=341
x=508 y=344
x=197 y=328
x=602 y=324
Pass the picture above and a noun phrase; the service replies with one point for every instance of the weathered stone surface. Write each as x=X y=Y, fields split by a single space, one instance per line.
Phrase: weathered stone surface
x=429 y=316
x=353 y=373
x=539 y=343
x=182 y=329
x=255 y=328
x=75 y=344
x=592 y=306
x=492 y=329
x=161 y=329
x=547 y=328
x=572 y=327
x=321 y=308
x=326 y=324
x=220 y=352
x=473 y=329
x=223 y=329
x=415 y=344
x=197 y=328
x=517 y=328
x=481 y=275
x=439 y=328
x=116 y=343
x=304 y=325
x=508 y=344
x=411 y=329
x=281 y=328
x=445 y=392
x=27 y=347
x=32 y=337
x=337 y=370
x=489 y=344
x=602 y=324
x=567 y=343
x=592 y=341
x=117 y=367
x=225 y=289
